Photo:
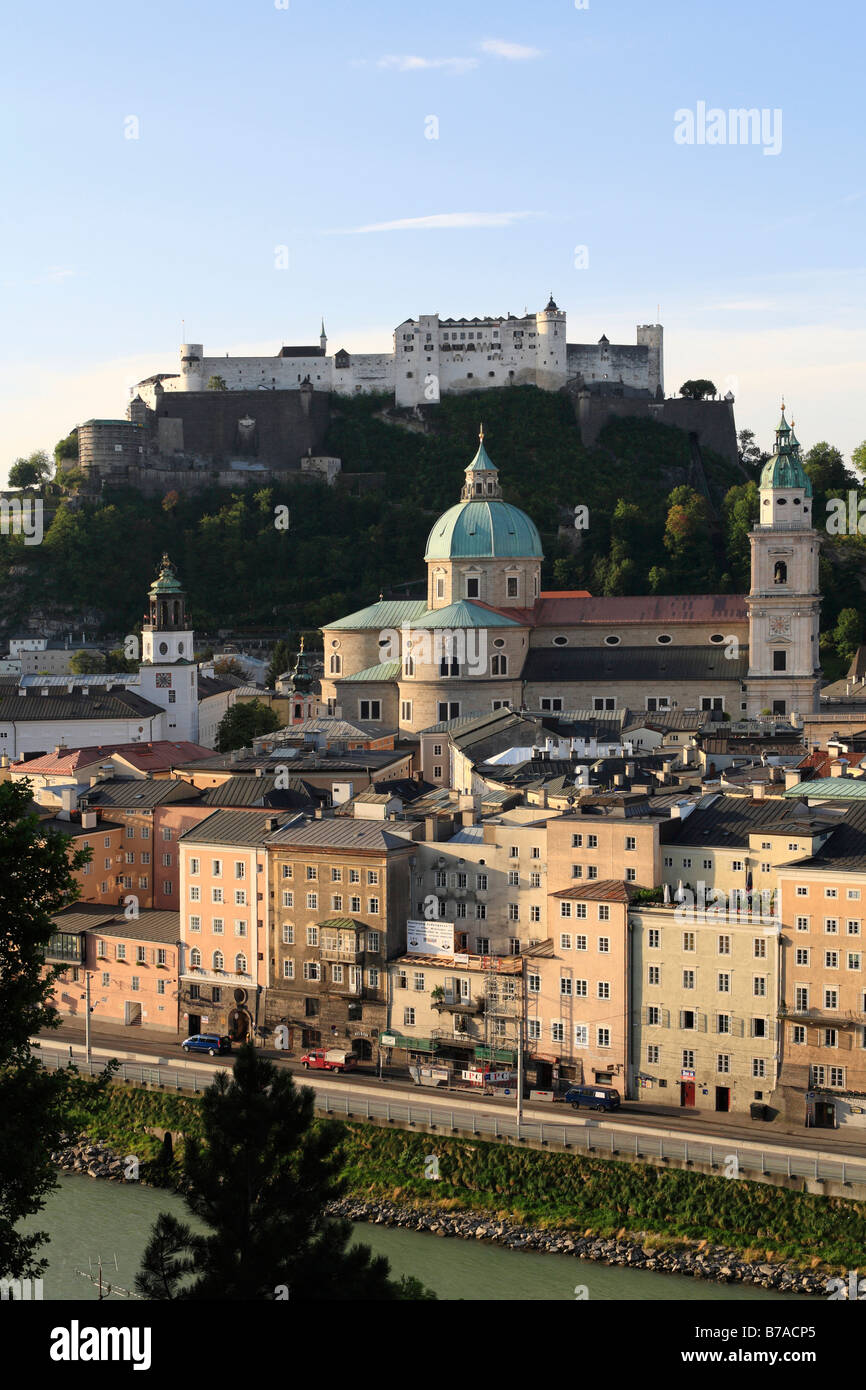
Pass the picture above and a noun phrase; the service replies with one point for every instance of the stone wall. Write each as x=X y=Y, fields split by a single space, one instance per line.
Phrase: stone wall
x=712 y=422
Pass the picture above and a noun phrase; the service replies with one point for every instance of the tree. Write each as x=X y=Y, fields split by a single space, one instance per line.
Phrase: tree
x=848 y=633
x=66 y=448
x=229 y=666
x=698 y=390
x=751 y=456
x=858 y=457
x=120 y=662
x=87 y=663
x=216 y=383
x=30 y=472
x=281 y=659
x=826 y=468
x=36 y=881
x=242 y=723
x=259 y=1182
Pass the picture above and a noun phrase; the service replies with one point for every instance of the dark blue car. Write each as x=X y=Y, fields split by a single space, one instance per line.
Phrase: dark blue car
x=593 y=1097
x=211 y=1043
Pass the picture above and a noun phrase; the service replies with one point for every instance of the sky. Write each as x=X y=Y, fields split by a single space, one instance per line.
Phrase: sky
x=158 y=159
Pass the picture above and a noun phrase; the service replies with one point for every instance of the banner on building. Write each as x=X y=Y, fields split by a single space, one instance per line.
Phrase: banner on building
x=433 y=938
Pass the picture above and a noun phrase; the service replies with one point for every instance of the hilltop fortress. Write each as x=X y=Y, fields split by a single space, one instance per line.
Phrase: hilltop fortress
x=219 y=418
x=433 y=356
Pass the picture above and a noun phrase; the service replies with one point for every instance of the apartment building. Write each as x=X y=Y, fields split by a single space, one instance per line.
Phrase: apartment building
x=101 y=879
x=822 y=1006
x=339 y=891
x=461 y=1011
x=606 y=837
x=705 y=997
x=490 y=878
x=577 y=988
x=225 y=923
x=147 y=808
x=132 y=965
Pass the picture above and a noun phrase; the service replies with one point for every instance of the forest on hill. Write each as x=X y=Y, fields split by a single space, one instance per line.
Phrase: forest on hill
x=653 y=526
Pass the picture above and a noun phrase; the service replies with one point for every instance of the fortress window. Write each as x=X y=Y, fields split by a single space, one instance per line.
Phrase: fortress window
x=717 y=637
x=560 y=641
x=663 y=639
x=611 y=641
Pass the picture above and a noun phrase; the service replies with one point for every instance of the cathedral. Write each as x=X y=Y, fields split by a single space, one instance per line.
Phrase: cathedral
x=487 y=636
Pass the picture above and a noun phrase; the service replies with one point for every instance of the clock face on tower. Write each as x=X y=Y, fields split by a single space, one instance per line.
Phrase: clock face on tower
x=780 y=626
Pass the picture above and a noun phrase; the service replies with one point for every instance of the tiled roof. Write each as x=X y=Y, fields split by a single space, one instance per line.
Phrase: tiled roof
x=342 y=833
x=248 y=828
x=618 y=610
x=101 y=704
x=845 y=849
x=612 y=890
x=726 y=822
x=133 y=793
x=152 y=924
x=642 y=664
x=250 y=790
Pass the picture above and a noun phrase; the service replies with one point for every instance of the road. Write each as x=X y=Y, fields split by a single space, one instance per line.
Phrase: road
x=365 y=1086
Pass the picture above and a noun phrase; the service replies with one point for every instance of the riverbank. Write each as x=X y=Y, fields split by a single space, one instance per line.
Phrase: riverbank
x=716 y=1263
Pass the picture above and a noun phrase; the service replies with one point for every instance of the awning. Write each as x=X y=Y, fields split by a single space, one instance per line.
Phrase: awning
x=392 y=1039
x=497 y=1054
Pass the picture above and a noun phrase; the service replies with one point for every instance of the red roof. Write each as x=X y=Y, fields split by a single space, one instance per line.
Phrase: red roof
x=613 y=890
x=819 y=759
x=154 y=757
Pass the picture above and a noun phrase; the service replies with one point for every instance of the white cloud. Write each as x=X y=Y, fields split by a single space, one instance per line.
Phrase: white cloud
x=407 y=62
x=514 y=52
x=443 y=220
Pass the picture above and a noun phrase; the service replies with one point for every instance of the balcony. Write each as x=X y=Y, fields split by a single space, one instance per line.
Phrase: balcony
x=449 y=1003
x=67 y=947
x=824 y=1018
x=347 y=957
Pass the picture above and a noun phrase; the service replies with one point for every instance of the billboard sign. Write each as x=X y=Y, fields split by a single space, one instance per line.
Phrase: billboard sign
x=429 y=938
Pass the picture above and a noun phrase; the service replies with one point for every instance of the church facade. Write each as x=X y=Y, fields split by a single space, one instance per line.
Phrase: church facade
x=487 y=636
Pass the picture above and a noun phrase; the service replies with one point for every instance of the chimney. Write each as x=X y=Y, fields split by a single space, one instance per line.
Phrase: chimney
x=260 y=772
x=792 y=778
x=759 y=791
x=88 y=820
x=272 y=822
x=839 y=767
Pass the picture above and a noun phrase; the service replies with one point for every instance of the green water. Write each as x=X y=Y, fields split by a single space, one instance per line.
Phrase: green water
x=88 y=1218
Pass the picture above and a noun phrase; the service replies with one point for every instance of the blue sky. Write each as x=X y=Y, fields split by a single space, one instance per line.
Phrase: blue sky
x=261 y=127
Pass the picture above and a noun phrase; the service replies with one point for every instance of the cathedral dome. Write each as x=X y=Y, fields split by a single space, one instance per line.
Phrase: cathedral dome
x=482 y=525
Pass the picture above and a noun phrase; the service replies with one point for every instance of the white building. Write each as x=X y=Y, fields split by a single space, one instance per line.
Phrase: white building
x=433 y=356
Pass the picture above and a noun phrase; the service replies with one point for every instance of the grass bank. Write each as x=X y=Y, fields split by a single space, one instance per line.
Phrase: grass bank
x=588 y=1196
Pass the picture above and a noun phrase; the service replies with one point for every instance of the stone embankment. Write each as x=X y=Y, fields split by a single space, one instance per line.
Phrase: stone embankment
x=713 y=1262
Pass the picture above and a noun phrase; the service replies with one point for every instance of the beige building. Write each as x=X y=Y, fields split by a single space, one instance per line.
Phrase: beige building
x=456 y=1011
x=490 y=879
x=576 y=988
x=705 y=996
x=607 y=837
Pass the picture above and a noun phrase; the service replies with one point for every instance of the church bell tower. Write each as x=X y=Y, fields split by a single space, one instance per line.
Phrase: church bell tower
x=784 y=673
x=168 y=674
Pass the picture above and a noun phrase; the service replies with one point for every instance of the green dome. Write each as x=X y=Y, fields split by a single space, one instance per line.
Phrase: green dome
x=784 y=470
x=483 y=530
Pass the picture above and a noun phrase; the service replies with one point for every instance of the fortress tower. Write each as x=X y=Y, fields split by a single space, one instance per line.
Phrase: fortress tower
x=550 y=353
x=651 y=335
x=191 y=355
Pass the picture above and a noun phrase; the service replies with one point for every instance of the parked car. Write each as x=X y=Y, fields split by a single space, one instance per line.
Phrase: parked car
x=593 y=1097
x=331 y=1059
x=211 y=1043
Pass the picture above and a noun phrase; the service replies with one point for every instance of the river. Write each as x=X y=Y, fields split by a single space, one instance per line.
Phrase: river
x=88 y=1219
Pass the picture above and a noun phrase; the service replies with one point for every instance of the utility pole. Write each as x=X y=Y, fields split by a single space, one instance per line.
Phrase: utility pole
x=520 y=1011
x=87 y=1014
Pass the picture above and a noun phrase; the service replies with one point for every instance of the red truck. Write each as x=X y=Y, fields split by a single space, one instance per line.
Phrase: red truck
x=334 y=1059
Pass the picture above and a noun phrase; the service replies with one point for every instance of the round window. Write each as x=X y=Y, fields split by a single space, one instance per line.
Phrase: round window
x=499 y=641
x=783 y=501
x=663 y=639
x=163 y=648
x=717 y=637
x=611 y=641
x=560 y=641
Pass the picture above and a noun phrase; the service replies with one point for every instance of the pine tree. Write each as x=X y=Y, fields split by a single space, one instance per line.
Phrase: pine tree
x=258 y=1185
x=36 y=881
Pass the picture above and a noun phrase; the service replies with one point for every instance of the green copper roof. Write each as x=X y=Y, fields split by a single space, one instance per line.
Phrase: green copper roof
x=385 y=671
x=481 y=460
x=483 y=530
x=464 y=613
x=784 y=470
x=166 y=581
x=385 y=613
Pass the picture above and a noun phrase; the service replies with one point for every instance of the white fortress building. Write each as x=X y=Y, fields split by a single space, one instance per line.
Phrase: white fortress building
x=433 y=356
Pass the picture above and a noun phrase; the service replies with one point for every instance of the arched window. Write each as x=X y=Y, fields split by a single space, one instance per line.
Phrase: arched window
x=218 y=960
x=409 y=666
x=336 y=665
x=195 y=957
x=499 y=666
x=240 y=964
x=780 y=572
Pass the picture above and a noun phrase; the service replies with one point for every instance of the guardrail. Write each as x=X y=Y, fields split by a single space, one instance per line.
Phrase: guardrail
x=588 y=1138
